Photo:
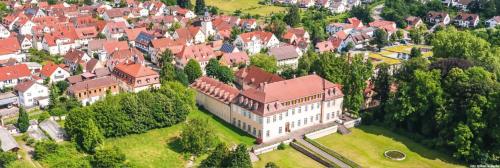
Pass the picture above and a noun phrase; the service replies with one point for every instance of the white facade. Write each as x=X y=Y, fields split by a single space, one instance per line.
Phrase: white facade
x=37 y=94
x=59 y=75
x=4 y=32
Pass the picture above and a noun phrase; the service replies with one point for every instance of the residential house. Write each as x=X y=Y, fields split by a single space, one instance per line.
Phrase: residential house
x=438 y=18
x=114 y=30
x=202 y=53
x=133 y=33
x=294 y=36
x=85 y=34
x=10 y=76
x=75 y=58
x=4 y=32
x=413 y=22
x=131 y=55
x=26 y=42
x=286 y=56
x=32 y=94
x=143 y=41
x=11 y=49
x=235 y=59
x=54 y=72
x=466 y=20
x=493 y=22
x=253 y=77
x=254 y=42
x=90 y=91
x=135 y=77
x=192 y=35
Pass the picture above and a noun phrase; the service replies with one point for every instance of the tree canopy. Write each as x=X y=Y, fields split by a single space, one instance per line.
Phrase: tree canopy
x=193 y=70
x=266 y=62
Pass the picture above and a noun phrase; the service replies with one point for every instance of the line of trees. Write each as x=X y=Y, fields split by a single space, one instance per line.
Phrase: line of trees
x=129 y=113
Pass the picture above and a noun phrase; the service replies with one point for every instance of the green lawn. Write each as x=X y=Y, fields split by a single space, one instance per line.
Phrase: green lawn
x=287 y=158
x=156 y=148
x=246 y=6
x=366 y=145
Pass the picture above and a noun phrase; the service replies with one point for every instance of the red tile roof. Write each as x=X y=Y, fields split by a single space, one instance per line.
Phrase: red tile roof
x=201 y=52
x=49 y=68
x=268 y=98
x=91 y=84
x=9 y=45
x=133 y=33
x=235 y=58
x=262 y=35
x=254 y=76
x=135 y=70
x=215 y=89
x=111 y=46
x=24 y=86
x=14 y=72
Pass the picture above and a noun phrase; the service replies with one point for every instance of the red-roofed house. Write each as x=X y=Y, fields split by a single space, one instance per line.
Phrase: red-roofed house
x=190 y=35
x=136 y=77
x=133 y=33
x=254 y=42
x=54 y=72
x=10 y=48
x=235 y=59
x=74 y=58
x=466 y=20
x=202 y=53
x=388 y=26
x=114 y=30
x=10 y=76
x=252 y=77
x=85 y=34
x=89 y=91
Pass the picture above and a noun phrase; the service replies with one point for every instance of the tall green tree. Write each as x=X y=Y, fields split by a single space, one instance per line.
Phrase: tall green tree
x=82 y=129
x=167 y=72
x=225 y=74
x=415 y=52
x=330 y=66
x=238 y=158
x=216 y=158
x=380 y=38
x=212 y=67
x=266 y=62
x=277 y=27
x=292 y=18
x=354 y=84
x=197 y=137
x=382 y=83
x=23 y=121
x=361 y=12
x=193 y=70
x=185 y=4
x=200 y=7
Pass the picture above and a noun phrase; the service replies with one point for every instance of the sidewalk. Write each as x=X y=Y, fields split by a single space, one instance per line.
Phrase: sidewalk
x=322 y=153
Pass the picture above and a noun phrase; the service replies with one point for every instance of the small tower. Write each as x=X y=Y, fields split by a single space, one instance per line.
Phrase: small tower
x=206 y=25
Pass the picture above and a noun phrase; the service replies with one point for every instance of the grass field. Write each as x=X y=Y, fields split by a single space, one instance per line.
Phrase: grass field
x=366 y=145
x=156 y=148
x=288 y=157
x=246 y=6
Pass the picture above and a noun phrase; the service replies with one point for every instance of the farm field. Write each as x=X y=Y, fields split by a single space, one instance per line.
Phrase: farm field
x=246 y=6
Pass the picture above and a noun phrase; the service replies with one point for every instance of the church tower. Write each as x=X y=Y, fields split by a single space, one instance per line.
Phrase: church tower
x=206 y=25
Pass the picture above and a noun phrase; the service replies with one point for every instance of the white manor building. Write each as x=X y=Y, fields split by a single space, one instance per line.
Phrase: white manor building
x=273 y=110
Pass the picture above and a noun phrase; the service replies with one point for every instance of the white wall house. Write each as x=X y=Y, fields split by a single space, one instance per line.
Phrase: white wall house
x=32 y=93
x=269 y=112
x=4 y=32
x=54 y=72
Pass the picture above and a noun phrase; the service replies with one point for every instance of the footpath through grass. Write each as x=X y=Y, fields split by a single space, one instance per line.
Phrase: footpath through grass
x=155 y=148
x=288 y=157
x=366 y=146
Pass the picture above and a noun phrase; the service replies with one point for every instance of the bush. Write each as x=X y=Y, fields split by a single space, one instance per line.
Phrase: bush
x=44 y=148
x=197 y=137
x=281 y=146
x=271 y=165
x=6 y=158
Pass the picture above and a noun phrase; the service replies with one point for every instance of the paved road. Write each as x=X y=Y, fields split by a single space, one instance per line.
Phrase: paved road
x=377 y=10
x=322 y=153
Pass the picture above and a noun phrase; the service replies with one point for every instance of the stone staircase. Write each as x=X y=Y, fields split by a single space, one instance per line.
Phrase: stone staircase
x=343 y=130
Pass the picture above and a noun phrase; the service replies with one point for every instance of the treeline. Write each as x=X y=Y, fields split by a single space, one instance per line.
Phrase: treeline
x=451 y=103
x=129 y=113
x=399 y=10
